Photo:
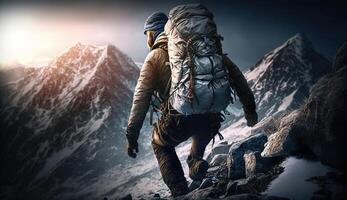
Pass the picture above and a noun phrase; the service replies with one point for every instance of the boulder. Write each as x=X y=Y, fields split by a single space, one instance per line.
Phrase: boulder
x=284 y=141
x=250 y=163
x=255 y=163
x=221 y=148
x=256 y=184
x=325 y=115
x=218 y=160
x=237 y=150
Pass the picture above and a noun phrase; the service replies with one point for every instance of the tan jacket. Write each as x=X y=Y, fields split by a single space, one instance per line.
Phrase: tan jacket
x=154 y=76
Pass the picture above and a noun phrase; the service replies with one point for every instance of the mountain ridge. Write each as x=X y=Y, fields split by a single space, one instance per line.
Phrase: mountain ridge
x=75 y=108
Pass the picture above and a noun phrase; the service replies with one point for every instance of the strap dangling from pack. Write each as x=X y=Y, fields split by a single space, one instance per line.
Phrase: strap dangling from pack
x=151 y=116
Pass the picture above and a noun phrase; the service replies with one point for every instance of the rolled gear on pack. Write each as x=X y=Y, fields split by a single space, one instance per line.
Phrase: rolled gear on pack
x=199 y=81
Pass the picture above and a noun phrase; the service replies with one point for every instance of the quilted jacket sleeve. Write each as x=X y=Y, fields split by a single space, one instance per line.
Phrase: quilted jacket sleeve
x=239 y=84
x=150 y=80
x=142 y=95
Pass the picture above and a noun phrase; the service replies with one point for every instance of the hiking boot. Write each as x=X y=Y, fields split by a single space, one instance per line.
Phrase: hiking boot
x=197 y=168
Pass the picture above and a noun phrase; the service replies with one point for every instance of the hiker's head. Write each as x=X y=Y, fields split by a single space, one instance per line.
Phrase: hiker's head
x=154 y=25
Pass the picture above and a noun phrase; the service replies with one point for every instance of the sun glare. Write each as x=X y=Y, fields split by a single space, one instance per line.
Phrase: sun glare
x=17 y=40
x=35 y=36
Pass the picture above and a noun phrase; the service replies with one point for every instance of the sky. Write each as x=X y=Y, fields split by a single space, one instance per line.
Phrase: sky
x=34 y=32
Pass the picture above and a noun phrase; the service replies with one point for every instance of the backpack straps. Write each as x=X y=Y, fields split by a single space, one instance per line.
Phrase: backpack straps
x=156 y=108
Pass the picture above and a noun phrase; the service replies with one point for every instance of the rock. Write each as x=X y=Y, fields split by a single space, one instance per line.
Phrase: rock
x=254 y=197
x=206 y=193
x=247 y=188
x=220 y=171
x=250 y=163
x=221 y=148
x=325 y=115
x=255 y=163
x=274 y=198
x=206 y=182
x=284 y=141
x=235 y=160
x=231 y=188
x=255 y=184
x=194 y=185
x=244 y=197
x=127 y=197
x=341 y=58
x=219 y=159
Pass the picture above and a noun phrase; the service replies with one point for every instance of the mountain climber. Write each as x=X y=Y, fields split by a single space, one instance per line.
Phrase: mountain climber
x=173 y=127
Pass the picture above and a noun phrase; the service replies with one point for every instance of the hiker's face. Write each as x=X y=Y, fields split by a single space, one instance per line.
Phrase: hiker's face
x=150 y=38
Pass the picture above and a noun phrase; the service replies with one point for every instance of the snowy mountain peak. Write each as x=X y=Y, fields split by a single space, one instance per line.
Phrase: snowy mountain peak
x=75 y=108
x=284 y=76
x=299 y=40
x=299 y=45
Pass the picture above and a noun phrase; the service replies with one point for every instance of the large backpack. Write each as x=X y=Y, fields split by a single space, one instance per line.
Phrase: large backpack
x=199 y=81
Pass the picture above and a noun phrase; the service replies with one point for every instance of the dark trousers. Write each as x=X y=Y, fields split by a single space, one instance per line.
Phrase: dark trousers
x=173 y=129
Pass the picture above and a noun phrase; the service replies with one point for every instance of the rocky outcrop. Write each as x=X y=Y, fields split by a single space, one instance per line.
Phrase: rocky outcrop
x=246 y=188
x=241 y=173
x=221 y=148
x=319 y=125
x=239 y=157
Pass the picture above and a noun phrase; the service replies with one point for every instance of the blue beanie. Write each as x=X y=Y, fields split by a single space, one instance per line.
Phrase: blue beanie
x=155 y=22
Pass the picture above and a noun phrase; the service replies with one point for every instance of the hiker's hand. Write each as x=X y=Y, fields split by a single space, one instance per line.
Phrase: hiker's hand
x=252 y=118
x=132 y=146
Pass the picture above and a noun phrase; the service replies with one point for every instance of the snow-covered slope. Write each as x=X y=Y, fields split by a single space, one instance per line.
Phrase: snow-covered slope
x=11 y=74
x=282 y=79
x=65 y=122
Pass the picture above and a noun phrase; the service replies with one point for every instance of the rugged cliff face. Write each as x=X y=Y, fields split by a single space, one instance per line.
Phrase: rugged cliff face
x=319 y=125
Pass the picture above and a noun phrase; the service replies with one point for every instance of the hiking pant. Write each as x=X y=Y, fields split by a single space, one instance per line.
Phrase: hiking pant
x=170 y=131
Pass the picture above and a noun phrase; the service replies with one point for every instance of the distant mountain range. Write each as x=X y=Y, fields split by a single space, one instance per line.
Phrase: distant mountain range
x=63 y=125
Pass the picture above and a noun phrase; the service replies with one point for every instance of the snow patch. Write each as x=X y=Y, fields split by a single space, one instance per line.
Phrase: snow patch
x=286 y=101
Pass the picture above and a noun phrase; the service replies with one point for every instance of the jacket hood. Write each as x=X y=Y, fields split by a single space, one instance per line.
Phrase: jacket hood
x=160 y=42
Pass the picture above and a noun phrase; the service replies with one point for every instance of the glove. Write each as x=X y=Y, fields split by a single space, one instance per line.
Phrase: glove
x=132 y=146
x=252 y=118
